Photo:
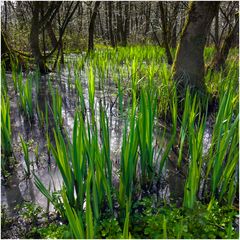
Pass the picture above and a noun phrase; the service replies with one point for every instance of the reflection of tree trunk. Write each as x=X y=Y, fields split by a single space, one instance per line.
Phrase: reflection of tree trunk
x=221 y=55
x=91 y=27
x=110 y=23
x=164 y=33
x=189 y=64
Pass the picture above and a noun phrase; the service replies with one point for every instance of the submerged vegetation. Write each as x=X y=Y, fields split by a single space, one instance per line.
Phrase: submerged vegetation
x=129 y=150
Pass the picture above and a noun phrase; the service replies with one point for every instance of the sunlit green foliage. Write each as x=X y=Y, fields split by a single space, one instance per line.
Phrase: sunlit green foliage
x=140 y=84
x=25 y=94
x=6 y=132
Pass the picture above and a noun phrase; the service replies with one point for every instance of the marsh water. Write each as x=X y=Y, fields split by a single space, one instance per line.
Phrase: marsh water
x=18 y=189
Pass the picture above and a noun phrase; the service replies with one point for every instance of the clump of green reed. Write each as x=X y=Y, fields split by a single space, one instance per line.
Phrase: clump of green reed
x=126 y=233
x=220 y=163
x=25 y=94
x=173 y=110
x=145 y=125
x=40 y=116
x=104 y=133
x=184 y=125
x=6 y=132
x=85 y=170
x=75 y=221
x=91 y=87
x=26 y=156
x=223 y=154
x=79 y=88
x=129 y=158
x=4 y=85
x=196 y=127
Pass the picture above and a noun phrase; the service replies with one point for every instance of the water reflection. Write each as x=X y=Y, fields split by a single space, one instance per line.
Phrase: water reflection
x=19 y=190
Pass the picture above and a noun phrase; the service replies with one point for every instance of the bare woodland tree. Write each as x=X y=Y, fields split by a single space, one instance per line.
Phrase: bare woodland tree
x=54 y=27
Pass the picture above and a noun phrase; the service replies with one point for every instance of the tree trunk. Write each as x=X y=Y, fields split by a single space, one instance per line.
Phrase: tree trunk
x=165 y=33
x=220 y=58
x=148 y=14
x=188 y=68
x=101 y=28
x=126 y=25
x=110 y=24
x=34 y=39
x=119 y=23
x=91 y=27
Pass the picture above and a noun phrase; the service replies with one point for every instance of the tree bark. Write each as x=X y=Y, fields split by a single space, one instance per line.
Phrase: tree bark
x=165 y=33
x=110 y=24
x=174 y=27
x=188 y=68
x=126 y=24
x=119 y=23
x=34 y=39
x=91 y=27
x=147 y=15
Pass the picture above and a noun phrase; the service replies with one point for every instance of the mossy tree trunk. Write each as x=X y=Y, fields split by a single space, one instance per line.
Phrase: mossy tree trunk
x=165 y=33
x=188 y=68
x=9 y=55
